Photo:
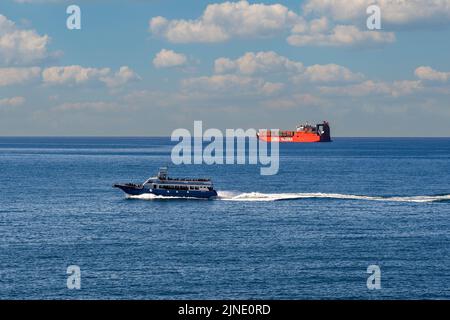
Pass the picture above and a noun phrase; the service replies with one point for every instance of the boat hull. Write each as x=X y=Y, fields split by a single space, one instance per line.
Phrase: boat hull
x=304 y=134
x=299 y=137
x=140 y=190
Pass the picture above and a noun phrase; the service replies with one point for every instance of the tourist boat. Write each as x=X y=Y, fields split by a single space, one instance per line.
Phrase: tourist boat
x=163 y=185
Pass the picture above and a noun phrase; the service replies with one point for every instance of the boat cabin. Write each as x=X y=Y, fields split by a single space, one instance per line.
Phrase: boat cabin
x=162 y=181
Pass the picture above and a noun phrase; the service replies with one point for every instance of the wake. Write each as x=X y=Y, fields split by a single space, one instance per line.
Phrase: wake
x=149 y=196
x=256 y=196
x=261 y=197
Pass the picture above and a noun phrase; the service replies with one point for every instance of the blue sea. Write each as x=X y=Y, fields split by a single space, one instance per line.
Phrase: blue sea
x=309 y=232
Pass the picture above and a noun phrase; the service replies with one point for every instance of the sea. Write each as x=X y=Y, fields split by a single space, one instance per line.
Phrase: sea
x=311 y=231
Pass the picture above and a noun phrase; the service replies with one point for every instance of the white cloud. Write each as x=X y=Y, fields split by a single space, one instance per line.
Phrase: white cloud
x=157 y=25
x=12 y=102
x=121 y=77
x=369 y=87
x=328 y=73
x=270 y=88
x=295 y=101
x=256 y=63
x=11 y=76
x=270 y=63
x=76 y=75
x=97 y=106
x=230 y=83
x=21 y=47
x=182 y=31
x=220 y=22
x=405 y=87
x=73 y=74
x=305 y=34
x=428 y=73
x=394 y=12
x=168 y=58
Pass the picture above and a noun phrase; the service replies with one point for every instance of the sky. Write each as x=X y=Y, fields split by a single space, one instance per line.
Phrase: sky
x=148 y=67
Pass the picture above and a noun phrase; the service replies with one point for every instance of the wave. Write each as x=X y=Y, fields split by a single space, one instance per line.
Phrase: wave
x=150 y=196
x=257 y=196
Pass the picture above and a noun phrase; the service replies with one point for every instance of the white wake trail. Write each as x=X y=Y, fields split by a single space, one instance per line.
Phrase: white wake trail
x=261 y=197
x=257 y=196
x=150 y=196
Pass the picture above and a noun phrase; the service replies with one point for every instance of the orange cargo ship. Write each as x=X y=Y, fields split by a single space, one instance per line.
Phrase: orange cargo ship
x=303 y=133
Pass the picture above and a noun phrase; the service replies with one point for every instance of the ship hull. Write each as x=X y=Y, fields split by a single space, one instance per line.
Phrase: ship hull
x=298 y=138
x=140 y=190
x=304 y=134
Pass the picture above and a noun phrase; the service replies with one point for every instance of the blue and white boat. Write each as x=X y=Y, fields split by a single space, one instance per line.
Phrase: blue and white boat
x=162 y=185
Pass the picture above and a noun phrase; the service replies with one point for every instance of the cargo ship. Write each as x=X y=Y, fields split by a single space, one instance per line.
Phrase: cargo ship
x=303 y=133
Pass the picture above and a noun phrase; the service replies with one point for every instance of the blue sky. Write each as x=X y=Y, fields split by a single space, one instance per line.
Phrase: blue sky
x=149 y=67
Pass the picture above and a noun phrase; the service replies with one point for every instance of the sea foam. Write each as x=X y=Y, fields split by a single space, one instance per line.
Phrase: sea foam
x=258 y=196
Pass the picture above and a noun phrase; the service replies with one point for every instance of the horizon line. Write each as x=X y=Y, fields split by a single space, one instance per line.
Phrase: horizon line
x=168 y=136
